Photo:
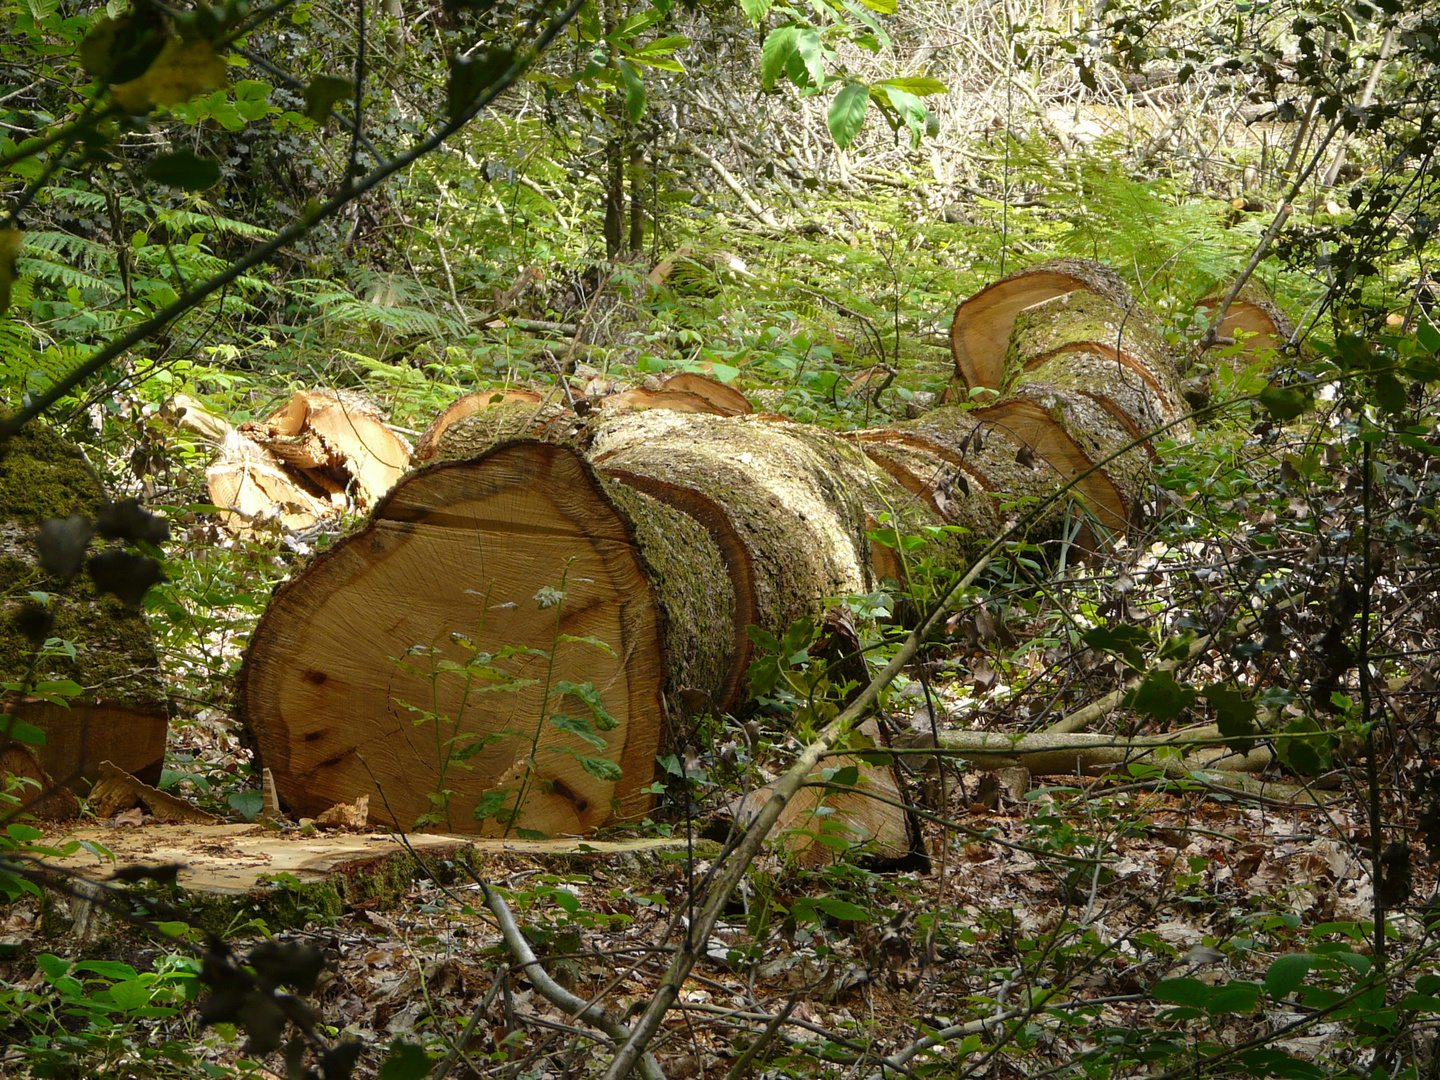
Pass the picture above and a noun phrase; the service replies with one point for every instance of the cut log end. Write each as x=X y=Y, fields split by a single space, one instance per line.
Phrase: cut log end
x=419 y=699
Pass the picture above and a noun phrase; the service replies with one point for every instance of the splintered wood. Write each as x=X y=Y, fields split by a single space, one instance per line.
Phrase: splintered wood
x=323 y=453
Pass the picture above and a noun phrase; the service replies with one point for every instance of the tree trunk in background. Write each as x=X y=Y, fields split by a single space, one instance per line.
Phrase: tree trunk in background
x=673 y=533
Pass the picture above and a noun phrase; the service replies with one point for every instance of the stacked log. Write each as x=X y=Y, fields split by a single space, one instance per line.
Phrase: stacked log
x=670 y=535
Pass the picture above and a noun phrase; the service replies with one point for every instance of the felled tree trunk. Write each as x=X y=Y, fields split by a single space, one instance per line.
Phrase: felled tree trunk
x=120 y=712
x=669 y=535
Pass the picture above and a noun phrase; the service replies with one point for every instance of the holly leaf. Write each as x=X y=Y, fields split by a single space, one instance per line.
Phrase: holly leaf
x=471 y=77
x=1127 y=642
x=1285 y=403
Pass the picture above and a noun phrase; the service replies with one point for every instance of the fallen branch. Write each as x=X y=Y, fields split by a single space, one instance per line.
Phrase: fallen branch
x=553 y=992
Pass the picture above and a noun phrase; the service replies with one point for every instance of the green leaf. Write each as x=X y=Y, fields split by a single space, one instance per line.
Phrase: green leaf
x=490 y=804
x=883 y=7
x=842 y=909
x=406 y=1061
x=587 y=693
x=599 y=768
x=1287 y=973
x=1234 y=716
x=469 y=78
x=247 y=804
x=22 y=732
x=1285 y=403
x=1307 y=750
x=1190 y=992
x=664 y=45
x=918 y=87
x=183 y=169
x=579 y=727
x=1127 y=642
x=1161 y=696
x=1428 y=336
x=775 y=53
x=1389 y=393
x=755 y=10
x=634 y=91
x=812 y=53
x=322 y=94
x=1234 y=997
x=847 y=113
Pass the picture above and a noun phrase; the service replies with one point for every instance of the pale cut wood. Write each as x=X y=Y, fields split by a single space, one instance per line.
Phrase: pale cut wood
x=251 y=487
x=230 y=860
x=331 y=665
x=980 y=331
x=1069 y=335
x=337 y=433
x=1253 y=319
x=1030 y=424
x=725 y=398
x=428 y=445
x=673 y=400
x=876 y=825
x=118 y=790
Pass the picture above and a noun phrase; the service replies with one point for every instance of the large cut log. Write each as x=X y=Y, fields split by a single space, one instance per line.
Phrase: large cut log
x=980 y=331
x=120 y=713
x=383 y=670
x=685 y=530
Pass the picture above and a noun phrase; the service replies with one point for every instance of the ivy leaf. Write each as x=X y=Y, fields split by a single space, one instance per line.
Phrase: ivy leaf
x=847 y=113
x=775 y=54
x=1307 y=750
x=634 y=91
x=1161 y=696
x=469 y=78
x=1234 y=716
x=1285 y=403
x=1389 y=393
x=322 y=94
x=183 y=169
x=1127 y=642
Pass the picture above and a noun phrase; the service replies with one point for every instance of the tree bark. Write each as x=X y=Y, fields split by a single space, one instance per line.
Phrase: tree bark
x=121 y=713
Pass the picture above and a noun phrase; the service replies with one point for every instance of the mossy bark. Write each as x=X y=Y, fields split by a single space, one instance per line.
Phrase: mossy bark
x=121 y=712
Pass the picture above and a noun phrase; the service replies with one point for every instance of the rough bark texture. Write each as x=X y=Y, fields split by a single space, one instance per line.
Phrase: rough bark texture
x=980 y=332
x=686 y=529
x=121 y=713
